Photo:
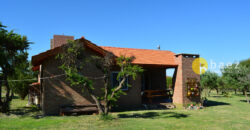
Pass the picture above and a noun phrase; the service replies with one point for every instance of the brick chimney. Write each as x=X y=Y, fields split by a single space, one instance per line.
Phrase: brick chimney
x=59 y=40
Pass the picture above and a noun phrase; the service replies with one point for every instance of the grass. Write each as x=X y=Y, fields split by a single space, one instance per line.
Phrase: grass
x=222 y=113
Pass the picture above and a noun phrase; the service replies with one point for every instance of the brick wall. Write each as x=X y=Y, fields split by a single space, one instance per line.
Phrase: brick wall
x=184 y=71
x=178 y=88
x=59 y=40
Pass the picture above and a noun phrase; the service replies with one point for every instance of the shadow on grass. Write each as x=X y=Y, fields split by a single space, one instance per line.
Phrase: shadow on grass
x=32 y=111
x=243 y=100
x=155 y=106
x=154 y=115
x=15 y=97
x=211 y=103
x=217 y=96
x=241 y=95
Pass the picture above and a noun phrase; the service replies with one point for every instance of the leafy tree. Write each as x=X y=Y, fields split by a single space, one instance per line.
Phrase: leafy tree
x=209 y=81
x=238 y=76
x=223 y=86
x=22 y=71
x=245 y=63
x=230 y=76
x=13 y=50
x=244 y=80
x=74 y=59
x=169 y=82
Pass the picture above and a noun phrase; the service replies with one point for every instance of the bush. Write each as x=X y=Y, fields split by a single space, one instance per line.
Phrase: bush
x=106 y=117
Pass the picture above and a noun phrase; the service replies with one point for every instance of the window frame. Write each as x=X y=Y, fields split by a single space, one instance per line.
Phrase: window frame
x=112 y=79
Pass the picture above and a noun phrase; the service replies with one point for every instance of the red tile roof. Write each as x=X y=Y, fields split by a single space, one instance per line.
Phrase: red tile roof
x=39 y=58
x=145 y=56
x=142 y=56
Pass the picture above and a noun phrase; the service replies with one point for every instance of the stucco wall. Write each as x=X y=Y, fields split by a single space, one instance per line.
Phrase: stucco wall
x=133 y=94
x=57 y=91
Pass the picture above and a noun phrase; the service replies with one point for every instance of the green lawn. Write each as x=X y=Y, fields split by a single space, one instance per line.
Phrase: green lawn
x=223 y=113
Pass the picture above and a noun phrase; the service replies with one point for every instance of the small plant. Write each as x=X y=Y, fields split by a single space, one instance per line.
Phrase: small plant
x=106 y=117
x=191 y=104
x=194 y=106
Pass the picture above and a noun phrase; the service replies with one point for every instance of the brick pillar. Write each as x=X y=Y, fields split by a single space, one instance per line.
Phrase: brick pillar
x=184 y=71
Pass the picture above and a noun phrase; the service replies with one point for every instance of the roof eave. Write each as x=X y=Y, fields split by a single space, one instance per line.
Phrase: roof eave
x=38 y=59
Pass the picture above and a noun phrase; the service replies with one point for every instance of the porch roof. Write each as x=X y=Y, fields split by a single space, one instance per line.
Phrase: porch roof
x=145 y=56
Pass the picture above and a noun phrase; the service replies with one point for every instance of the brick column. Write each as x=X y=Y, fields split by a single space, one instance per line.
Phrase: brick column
x=184 y=71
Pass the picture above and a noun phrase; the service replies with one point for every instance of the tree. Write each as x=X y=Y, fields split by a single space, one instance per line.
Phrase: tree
x=245 y=63
x=238 y=76
x=74 y=59
x=169 y=82
x=13 y=50
x=230 y=76
x=224 y=87
x=244 y=80
x=209 y=81
x=22 y=71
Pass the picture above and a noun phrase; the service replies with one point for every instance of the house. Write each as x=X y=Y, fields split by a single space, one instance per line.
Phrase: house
x=55 y=91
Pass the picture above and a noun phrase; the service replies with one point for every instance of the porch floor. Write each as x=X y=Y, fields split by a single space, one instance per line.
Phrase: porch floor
x=159 y=106
x=158 y=103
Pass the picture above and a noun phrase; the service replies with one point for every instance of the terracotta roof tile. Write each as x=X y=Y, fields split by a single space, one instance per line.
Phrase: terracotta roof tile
x=145 y=56
x=142 y=56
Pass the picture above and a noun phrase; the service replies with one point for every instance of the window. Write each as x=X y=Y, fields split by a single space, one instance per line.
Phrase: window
x=115 y=82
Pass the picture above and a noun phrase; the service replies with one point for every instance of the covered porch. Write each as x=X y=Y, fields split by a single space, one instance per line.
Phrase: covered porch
x=155 y=88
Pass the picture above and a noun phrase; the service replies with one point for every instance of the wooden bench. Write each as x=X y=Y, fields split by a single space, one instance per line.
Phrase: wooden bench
x=150 y=94
x=79 y=109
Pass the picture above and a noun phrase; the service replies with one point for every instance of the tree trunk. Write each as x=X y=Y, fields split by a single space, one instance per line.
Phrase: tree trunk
x=98 y=103
x=106 y=108
x=1 y=95
x=5 y=104
x=245 y=91
x=106 y=100
x=99 y=106
x=5 y=107
x=209 y=92
x=235 y=91
x=12 y=94
x=7 y=96
x=217 y=91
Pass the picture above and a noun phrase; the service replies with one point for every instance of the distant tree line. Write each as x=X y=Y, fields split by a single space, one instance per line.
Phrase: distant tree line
x=234 y=78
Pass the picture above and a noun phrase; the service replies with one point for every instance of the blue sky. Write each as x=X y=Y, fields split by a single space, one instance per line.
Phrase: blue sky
x=218 y=30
